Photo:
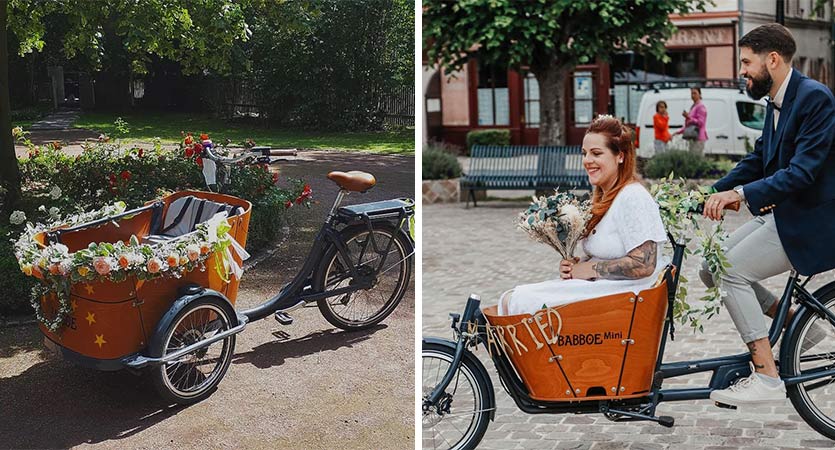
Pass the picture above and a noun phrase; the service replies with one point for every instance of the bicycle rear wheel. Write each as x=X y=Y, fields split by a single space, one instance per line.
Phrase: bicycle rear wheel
x=364 y=308
x=814 y=400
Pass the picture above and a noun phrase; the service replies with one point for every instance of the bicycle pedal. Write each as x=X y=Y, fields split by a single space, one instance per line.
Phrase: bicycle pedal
x=283 y=318
x=724 y=405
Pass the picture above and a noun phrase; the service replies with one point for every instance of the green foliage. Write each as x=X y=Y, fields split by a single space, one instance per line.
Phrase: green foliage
x=680 y=162
x=122 y=128
x=538 y=34
x=487 y=137
x=439 y=164
x=200 y=35
x=328 y=65
x=15 y=285
x=677 y=205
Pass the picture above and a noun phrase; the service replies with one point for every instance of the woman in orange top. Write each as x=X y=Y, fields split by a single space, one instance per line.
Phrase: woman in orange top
x=661 y=125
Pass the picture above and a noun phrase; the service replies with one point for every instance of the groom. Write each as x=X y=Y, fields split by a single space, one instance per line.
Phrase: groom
x=788 y=183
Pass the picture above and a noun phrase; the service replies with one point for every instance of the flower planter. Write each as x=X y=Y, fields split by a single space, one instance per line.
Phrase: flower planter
x=441 y=191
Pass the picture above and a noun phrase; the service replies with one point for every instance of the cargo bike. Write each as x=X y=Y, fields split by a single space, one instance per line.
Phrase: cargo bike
x=606 y=356
x=180 y=328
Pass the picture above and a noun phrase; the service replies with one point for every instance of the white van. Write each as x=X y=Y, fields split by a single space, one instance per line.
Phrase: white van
x=732 y=119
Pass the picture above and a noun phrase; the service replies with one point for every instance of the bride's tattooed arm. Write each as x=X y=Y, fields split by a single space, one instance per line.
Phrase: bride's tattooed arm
x=638 y=263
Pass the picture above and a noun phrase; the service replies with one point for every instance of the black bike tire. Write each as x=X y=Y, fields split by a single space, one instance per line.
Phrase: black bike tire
x=158 y=374
x=332 y=253
x=795 y=392
x=483 y=419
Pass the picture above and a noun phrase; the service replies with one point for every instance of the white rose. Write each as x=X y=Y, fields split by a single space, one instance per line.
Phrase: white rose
x=55 y=193
x=17 y=217
x=54 y=212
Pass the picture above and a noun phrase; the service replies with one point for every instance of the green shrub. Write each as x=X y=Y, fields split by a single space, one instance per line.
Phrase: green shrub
x=487 y=137
x=439 y=164
x=682 y=163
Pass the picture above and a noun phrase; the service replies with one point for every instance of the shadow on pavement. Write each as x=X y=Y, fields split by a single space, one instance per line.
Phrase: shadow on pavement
x=62 y=405
x=275 y=353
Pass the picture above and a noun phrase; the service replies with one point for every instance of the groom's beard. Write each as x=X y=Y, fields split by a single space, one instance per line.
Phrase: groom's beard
x=760 y=85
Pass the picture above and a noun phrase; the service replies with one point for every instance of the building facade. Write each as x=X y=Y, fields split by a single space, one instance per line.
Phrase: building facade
x=704 y=47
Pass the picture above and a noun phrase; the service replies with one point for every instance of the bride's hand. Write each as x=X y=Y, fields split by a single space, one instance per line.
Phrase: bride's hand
x=566 y=266
x=583 y=271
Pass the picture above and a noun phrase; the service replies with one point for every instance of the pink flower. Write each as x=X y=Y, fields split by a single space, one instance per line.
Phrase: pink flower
x=101 y=265
x=193 y=252
x=154 y=265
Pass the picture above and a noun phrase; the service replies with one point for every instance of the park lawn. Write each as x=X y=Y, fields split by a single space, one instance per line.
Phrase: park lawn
x=145 y=126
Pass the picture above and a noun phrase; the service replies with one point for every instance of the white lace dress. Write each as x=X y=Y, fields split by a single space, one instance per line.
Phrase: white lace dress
x=632 y=220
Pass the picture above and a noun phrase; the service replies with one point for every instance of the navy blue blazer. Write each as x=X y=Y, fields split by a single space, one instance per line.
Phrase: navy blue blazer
x=791 y=172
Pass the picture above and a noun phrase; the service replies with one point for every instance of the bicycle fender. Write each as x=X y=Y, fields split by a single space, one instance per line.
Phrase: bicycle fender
x=491 y=396
x=188 y=295
x=820 y=292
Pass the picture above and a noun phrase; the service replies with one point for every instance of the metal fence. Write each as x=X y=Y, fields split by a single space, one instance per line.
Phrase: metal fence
x=399 y=106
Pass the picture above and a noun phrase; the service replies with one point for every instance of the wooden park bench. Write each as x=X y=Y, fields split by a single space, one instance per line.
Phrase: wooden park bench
x=524 y=167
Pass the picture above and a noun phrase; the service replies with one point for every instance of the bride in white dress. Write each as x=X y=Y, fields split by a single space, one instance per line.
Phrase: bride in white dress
x=623 y=239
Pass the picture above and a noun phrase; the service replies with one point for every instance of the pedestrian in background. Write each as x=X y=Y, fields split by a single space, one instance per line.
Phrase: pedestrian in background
x=661 y=125
x=695 y=123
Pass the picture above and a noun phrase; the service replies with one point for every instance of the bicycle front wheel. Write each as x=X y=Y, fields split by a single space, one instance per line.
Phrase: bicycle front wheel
x=364 y=308
x=811 y=348
x=462 y=415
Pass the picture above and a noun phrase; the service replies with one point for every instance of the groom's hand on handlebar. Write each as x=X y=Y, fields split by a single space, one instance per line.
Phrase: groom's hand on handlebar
x=719 y=202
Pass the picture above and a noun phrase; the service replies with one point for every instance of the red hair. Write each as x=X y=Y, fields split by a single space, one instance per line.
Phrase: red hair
x=619 y=140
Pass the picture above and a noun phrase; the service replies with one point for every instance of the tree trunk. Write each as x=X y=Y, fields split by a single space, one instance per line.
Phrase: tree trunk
x=9 y=172
x=552 y=103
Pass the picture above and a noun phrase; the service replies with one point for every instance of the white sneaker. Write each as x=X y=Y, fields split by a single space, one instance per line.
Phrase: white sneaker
x=750 y=391
x=814 y=336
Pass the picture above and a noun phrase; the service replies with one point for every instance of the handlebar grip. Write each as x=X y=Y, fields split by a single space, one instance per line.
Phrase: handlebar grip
x=730 y=206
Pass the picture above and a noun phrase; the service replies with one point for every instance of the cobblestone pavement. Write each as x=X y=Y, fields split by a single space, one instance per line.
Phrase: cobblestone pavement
x=478 y=250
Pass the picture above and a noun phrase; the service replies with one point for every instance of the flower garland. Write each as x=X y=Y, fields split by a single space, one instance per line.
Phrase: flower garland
x=677 y=206
x=104 y=261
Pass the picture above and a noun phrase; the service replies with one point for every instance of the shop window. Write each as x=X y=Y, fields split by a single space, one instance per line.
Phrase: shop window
x=531 y=101
x=583 y=88
x=493 y=102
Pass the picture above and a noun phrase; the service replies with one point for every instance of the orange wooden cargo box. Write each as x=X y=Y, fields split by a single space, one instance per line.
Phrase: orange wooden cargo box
x=601 y=348
x=112 y=320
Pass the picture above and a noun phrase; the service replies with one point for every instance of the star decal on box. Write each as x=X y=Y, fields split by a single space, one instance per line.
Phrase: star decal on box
x=89 y=288
x=100 y=340
x=91 y=318
x=74 y=305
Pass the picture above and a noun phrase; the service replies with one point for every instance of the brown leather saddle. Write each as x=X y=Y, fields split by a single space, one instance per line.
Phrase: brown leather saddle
x=354 y=180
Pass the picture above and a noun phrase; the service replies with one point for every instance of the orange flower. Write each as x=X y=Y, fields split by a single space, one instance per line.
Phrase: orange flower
x=172 y=260
x=36 y=271
x=183 y=260
x=154 y=265
x=204 y=249
x=204 y=137
x=54 y=269
x=27 y=269
x=123 y=261
x=83 y=271
x=188 y=140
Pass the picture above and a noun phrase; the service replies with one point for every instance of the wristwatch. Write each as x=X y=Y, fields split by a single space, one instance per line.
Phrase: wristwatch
x=741 y=193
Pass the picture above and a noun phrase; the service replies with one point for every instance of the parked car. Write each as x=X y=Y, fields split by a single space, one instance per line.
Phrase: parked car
x=734 y=120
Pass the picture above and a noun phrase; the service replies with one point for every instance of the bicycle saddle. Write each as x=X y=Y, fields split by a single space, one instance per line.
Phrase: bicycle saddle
x=354 y=180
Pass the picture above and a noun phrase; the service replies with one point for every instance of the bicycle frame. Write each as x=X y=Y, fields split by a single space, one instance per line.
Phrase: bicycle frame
x=725 y=369
x=299 y=292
